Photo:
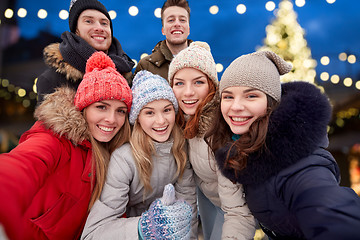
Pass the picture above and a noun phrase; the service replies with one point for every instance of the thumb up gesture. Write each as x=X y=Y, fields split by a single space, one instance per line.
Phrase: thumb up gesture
x=167 y=218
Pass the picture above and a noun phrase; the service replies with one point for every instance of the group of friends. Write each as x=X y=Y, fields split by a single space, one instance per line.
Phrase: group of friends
x=154 y=153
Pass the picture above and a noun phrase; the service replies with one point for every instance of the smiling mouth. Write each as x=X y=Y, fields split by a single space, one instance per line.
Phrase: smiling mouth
x=177 y=32
x=240 y=119
x=190 y=101
x=161 y=129
x=106 y=129
x=99 y=38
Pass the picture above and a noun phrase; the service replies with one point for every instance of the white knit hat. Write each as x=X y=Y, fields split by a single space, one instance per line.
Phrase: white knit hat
x=260 y=70
x=197 y=56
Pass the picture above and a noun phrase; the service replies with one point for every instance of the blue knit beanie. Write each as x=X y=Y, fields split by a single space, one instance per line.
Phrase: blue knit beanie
x=148 y=87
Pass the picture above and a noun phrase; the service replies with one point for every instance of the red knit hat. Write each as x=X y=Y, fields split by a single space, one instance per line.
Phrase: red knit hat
x=102 y=82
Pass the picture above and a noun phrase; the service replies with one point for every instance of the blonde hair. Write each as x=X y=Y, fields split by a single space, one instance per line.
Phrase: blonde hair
x=143 y=148
x=101 y=153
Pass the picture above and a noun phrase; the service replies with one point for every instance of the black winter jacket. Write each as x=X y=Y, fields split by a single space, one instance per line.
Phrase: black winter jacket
x=67 y=62
x=292 y=188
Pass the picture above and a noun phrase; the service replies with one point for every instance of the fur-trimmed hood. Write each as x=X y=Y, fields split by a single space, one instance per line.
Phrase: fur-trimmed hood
x=54 y=59
x=296 y=129
x=58 y=113
x=207 y=114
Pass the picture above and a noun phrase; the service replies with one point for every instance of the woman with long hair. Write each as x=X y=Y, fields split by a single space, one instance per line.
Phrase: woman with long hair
x=222 y=207
x=55 y=174
x=271 y=138
x=140 y=170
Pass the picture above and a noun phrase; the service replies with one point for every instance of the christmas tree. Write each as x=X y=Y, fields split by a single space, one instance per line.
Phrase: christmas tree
x=285 y=37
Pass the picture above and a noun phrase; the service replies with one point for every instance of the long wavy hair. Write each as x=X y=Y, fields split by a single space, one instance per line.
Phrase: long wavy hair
x=220 y=134
x=191 y=126
x=143 y=149
x=101 y=153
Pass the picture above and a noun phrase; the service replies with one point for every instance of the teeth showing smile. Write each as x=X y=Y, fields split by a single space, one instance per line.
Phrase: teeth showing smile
x=160 y=129
x=177 y=32
x=239 y=119
x=189 y=101
x=106 y=129
x=99 y=38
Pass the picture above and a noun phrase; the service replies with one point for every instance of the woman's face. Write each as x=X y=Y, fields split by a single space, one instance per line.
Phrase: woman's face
x=105 y=118
x=157 y=119
x=241 y=106
x=190 y=87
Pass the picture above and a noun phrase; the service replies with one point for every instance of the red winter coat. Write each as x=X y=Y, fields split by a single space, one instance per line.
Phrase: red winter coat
x=45 y=182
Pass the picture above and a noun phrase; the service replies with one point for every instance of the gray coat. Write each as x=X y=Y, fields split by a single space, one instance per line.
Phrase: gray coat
x=123 y=192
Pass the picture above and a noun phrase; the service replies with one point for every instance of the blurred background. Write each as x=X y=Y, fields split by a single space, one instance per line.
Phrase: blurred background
x=321 y=38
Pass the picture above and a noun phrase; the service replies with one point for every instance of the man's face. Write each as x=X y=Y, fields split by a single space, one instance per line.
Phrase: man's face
x=94 y=27
x=176 y=25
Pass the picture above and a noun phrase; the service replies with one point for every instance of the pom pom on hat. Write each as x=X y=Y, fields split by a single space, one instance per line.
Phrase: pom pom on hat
x=260 y=70
x=102 y=82
x=197 y=56
x=99 y=61
x=148 y=87
x=78 y=6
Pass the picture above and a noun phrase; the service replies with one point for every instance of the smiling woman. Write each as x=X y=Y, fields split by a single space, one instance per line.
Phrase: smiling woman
x=105 y=118
x=61 y=161
x=139 y=171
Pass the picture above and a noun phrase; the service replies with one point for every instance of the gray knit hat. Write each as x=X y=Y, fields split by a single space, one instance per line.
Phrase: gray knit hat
x=260 y=70
x=148 y=87
x=78 y=6
x=197 y=56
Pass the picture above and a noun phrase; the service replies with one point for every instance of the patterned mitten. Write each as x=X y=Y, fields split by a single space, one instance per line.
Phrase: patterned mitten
x=167 y=218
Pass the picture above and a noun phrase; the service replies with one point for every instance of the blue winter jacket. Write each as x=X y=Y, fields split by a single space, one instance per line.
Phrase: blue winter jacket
x=292 y=188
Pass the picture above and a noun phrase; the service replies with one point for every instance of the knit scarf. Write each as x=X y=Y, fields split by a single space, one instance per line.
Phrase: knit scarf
x=76 y=51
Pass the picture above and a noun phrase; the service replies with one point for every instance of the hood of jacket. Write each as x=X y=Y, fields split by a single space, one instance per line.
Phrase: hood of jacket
x=207 y=114
x=58 y=113
x=296 y=129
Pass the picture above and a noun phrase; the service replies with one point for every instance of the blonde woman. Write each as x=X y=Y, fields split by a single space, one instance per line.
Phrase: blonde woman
x=139 y=171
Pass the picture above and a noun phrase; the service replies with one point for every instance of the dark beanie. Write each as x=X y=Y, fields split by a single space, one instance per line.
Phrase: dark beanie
x=78 y=6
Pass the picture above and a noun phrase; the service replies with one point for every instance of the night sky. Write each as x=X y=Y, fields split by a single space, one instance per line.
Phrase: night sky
x=329 y=28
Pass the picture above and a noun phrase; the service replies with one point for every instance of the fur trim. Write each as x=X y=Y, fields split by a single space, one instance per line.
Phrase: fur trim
x=296 y=129
x=54 y=59
x=58 y=113
x=207 y=114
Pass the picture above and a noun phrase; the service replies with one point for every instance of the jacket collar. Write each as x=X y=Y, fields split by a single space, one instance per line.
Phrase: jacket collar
x=69 y=57
x=162 y=54
x=296 y=129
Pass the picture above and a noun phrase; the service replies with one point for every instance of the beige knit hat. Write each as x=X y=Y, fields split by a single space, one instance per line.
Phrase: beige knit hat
x=197 y=56
x=260 y=70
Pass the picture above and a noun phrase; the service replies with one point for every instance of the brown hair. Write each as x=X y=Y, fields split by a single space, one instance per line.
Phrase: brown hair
x=191 y=126
x=220 y=134
x=174 y=3
x=101 y=153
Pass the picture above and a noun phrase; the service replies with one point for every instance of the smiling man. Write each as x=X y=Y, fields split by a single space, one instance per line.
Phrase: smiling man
x=175 y=18
x=90 y=31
